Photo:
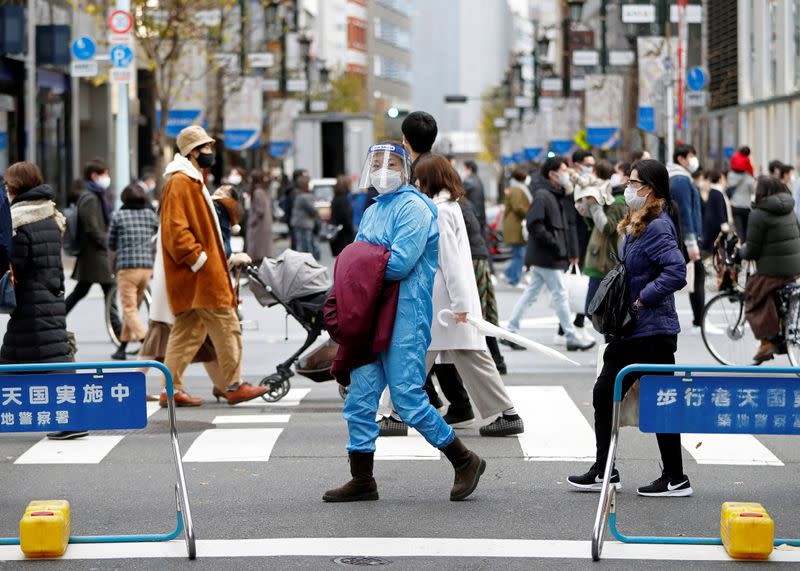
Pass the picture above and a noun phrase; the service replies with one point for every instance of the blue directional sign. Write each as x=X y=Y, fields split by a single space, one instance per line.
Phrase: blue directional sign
x=121 y=56
x=82 y=401
x=696 y=78
x=83 y=48
x=719 y=405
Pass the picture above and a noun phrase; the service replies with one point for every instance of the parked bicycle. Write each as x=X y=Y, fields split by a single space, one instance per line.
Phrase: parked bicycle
x=726 y=333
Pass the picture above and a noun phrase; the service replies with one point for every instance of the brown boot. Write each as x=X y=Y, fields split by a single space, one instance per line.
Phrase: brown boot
x=243 y=393
x=468 y=466
x=362 y=487
x=765 y=352
x=182 y=398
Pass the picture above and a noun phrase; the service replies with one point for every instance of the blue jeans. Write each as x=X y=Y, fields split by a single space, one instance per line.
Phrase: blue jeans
x=306 y=241
x=554 y=281
x=514 y=269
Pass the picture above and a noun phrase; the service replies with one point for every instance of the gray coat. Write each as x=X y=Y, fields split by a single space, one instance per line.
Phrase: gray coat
x=259 y=224
x=773 y=237
x=304 y=214
x=92 y=264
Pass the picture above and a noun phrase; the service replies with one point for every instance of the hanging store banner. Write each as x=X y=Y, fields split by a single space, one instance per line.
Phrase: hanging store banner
x=657 y=59
x=189 y=101
x=505 y=148
x=243 y=114
x=565 y=122
x=282 y=113
x=604 y=97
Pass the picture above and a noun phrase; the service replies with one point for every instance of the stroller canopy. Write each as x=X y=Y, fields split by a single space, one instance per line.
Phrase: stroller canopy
x=294 y=275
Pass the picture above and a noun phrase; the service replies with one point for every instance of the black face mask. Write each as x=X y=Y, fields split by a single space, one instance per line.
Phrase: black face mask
x=206 y=160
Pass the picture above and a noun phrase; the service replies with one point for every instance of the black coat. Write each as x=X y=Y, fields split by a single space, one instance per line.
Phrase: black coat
x=473 y=188
x=715 y=214
x=92 y=263
x=342 y=213
x=477 y=244
x=552 y=238
x=37 y=330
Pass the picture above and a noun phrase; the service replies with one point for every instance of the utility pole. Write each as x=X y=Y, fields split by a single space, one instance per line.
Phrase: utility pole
x=565 y=56
x=122 y=167
x=666 y=142
x=603 y=34
x=31 y=87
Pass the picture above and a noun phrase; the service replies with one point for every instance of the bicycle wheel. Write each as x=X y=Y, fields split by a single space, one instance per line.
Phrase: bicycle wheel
x=113 y=318
x=726 y=333
x=791 y=329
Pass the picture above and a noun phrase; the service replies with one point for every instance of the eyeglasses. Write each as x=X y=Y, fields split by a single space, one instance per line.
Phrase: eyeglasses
x=636 y=181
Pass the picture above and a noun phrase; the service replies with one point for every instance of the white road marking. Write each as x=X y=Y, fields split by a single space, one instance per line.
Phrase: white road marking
x=555 y=429
x=292 y=398
x=152 y=408
x=729 y=449
x=397 y=547
x=411 y=447
x=233 y=445
x=87 y=450
x=253 y=419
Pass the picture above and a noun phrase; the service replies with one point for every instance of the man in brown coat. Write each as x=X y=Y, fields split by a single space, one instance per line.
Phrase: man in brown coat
x=198 y=283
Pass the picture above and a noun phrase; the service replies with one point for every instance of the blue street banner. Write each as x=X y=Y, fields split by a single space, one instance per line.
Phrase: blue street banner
x=719 y=405
x=178 y=119
x=80 y=401
x=603 y=111
x=244 y=112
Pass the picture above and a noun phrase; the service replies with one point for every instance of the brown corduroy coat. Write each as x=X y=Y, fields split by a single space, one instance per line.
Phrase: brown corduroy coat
x=195 y=266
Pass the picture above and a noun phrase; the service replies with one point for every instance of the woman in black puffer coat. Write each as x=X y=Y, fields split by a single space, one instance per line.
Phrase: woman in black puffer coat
x=37 y=330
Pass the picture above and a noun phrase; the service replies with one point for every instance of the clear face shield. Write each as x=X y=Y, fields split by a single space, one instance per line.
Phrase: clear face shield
x=386 y=169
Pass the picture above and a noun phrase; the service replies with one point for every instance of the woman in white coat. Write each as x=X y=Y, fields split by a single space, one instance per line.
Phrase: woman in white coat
x=454 y=288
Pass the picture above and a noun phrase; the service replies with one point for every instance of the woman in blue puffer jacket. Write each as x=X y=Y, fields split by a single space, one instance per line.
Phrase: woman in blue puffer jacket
x=656 y=270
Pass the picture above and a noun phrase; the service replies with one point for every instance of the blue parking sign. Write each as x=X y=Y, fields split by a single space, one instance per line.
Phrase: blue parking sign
x=80 y=401
x=121 y=56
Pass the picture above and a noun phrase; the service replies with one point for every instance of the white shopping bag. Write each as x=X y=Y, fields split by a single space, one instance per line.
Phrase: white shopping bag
x=577 y=288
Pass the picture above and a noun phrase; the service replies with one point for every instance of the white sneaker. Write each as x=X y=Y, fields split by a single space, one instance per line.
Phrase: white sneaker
x=696 y=331
x=521 y=285
x=560 y=340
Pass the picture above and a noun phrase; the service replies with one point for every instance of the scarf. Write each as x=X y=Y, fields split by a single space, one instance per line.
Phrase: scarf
x=30 y=211
x=101 y=194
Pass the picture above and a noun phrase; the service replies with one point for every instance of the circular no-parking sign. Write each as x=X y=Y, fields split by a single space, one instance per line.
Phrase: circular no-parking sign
x=120 y=22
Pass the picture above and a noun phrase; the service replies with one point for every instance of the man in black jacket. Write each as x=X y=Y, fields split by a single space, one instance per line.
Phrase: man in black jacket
x=473 y=188
x=552 y=246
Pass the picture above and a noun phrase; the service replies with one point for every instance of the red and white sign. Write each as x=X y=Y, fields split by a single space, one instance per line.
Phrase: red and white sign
x=120 y=22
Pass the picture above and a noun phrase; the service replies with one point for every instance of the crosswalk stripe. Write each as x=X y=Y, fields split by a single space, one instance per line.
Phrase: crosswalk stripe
x=252 y=419
x=88 y=450
x=729 y=449
x=555 y=429
x=233 y=445
x=292 y=398
x=411 y=447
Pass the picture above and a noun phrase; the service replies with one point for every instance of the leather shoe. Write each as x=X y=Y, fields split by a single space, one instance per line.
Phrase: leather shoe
x=243 y=393
x=182 y=398
x=766 y=352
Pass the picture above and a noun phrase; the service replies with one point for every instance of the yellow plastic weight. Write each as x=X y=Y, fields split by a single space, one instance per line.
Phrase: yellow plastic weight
x=747 y=530
x=44 y=529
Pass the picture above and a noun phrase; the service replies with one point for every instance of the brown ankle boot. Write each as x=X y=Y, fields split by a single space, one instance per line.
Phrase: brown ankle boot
x=362 y=487
x=468 y=466
x=765 y=352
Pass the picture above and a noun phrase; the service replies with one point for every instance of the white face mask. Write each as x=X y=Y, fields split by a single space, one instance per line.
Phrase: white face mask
x=586 y=169
x=235 y=179
x=694 y=164
x=616 y=179
x=527 y=181
x=633 y=200
x=563 y=179
x=386 y=180
x=103 y=181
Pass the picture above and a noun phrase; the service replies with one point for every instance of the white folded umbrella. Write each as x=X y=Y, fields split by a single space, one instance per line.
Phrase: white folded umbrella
x=488 y=330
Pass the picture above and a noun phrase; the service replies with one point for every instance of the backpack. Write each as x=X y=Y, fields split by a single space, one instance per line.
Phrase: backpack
x=610 y=306
x=71 y=242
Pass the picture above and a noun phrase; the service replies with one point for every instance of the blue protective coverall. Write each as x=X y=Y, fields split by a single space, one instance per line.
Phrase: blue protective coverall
x=403 y=222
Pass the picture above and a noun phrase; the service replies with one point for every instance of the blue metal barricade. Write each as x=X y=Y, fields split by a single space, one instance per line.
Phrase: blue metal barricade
x=50 y=400
x=715 y=402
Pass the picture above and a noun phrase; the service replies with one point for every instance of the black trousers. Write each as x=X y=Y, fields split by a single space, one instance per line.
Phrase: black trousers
x=80 y=291
x=697 y=298
x=654 y=350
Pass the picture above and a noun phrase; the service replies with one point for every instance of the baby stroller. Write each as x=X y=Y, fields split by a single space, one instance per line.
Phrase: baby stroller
x=300 y=285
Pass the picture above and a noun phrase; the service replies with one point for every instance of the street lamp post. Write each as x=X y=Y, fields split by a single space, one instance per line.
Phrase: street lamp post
x=572 y=14
x=305 y=48
x=539 y=51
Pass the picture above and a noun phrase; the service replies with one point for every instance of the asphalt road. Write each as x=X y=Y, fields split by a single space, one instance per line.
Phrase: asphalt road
x=256 y=483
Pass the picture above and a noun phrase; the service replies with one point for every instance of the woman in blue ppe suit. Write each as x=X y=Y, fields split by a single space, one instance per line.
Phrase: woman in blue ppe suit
x=404 y=222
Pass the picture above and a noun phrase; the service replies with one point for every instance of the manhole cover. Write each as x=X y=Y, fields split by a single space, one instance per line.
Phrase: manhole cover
x=357 y=561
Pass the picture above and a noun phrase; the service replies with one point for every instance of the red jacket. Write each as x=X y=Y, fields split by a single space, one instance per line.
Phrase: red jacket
x=361 y=308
